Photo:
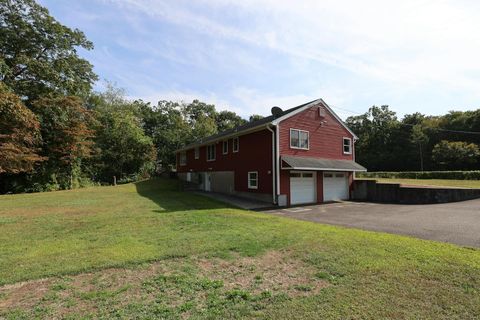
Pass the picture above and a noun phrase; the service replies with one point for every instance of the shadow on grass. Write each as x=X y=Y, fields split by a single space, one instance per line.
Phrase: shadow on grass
x=168 y=195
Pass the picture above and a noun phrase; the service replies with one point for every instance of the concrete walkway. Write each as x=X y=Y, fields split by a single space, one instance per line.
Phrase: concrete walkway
x=243 y=203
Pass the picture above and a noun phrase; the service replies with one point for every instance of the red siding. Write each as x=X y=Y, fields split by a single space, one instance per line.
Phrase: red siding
x=255 y=154
x=319 y=186
x=326 y=141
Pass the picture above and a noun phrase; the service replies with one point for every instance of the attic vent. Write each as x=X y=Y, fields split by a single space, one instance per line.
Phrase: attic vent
x=276 y=112
x=321 y=112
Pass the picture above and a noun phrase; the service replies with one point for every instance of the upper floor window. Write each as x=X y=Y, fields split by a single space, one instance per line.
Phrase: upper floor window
x=299 y=139
x=211 y=152
x=347 y=145
x=225 y=147
x=253 y=180
x=183 y=158
x=236 y=144
x=197 y=152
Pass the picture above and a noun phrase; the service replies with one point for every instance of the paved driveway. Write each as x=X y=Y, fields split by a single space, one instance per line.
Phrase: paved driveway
x=457 y=222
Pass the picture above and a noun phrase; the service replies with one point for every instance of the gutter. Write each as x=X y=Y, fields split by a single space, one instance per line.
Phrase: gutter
x=274 y=167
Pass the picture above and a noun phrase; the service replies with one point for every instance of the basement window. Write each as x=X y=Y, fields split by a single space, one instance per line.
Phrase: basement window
x=253 y=180
x=347 y=146
x=299 y=139
x=211 y=152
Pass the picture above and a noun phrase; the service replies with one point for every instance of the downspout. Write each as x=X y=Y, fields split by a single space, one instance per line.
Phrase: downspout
x=274 y=167
x=277 y=149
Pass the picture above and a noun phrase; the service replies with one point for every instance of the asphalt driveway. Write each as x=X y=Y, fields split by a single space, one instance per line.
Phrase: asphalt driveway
x=457 y=222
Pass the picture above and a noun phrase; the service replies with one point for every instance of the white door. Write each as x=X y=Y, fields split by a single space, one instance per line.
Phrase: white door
x=189 y=176
x=335 y=186
x=207 y=182
x=302 y=187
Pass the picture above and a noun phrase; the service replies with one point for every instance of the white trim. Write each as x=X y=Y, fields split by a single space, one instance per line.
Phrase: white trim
x=248 y=180
x=308 y=139
x=343 y=145
x=214 y=152
x=311 y=104
x=223 y=145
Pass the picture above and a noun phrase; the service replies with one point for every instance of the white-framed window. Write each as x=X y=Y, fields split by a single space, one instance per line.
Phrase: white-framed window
x=299 y=139
x=225 y=147
x=347 y=146
x=197 y=152
x=211 y=152
x=235 y=144
x=253 y=180
x=183 y=158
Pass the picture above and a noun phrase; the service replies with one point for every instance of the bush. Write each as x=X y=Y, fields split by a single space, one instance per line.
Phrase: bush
x=448 y=175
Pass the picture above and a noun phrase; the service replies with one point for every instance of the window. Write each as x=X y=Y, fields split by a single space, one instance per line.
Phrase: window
x=225 y=147
x=253 y=180
x=197 y=152
x=236 y=144
x=347 y=145
x=183 y=158
x=211 y=152
x=299 y=139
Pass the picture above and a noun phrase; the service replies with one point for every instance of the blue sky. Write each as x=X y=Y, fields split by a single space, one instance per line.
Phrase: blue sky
x=248 y=56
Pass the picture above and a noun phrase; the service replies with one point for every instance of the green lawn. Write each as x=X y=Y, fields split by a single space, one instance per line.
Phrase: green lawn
x=147 y=250
x=434 y=182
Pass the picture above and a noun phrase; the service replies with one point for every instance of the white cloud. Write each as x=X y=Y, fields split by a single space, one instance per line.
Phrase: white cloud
x=407 y=43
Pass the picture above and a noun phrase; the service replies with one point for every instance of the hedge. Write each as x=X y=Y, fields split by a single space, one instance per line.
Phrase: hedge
x=448 y=175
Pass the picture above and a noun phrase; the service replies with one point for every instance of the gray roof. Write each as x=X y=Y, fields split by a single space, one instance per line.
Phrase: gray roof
x=249 y=125
x=309 y=163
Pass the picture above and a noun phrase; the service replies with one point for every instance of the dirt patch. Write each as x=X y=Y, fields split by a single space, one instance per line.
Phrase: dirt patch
x=275 y=272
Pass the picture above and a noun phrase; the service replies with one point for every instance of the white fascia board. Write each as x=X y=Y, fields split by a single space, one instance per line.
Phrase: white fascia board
x=321 y=169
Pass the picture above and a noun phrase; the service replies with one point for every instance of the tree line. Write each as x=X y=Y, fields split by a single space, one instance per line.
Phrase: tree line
x=417 y=142
x=56 y=132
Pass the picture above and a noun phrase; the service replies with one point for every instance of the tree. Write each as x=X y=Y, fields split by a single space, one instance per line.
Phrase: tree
x=228 y=120
x=125 y=149
x=38 y=55
x=19 y=135
x=255 y=117
x=66 y=129
x=419 y=138
x=456 y=155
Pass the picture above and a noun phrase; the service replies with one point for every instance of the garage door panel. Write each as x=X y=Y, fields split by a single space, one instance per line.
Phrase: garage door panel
x=335 y=186
x=302 y=188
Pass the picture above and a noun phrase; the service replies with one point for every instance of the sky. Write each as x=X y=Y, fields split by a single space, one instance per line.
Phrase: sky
x=247 y=56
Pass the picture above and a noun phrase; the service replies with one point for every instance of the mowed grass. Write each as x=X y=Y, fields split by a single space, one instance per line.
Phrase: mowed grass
x=434 y=182
x=176 y=255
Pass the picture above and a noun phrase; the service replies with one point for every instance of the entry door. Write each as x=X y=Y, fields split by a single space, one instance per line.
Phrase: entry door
x=302 y=187
x=335 y=186
x=207 y=182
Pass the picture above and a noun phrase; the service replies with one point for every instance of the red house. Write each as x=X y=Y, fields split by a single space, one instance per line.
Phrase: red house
x=301 y=155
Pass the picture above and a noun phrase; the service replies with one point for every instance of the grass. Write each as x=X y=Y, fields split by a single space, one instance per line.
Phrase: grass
x=434 y=182
x=147 y=250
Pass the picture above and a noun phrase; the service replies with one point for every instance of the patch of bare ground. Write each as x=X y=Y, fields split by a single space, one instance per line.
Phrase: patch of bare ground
x=276 y=272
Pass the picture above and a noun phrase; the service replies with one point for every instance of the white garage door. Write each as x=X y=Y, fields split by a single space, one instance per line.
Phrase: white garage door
x=335 y=186
x=302 y=187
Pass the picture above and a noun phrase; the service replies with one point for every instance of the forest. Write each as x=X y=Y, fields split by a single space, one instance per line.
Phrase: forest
x=57 y=132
